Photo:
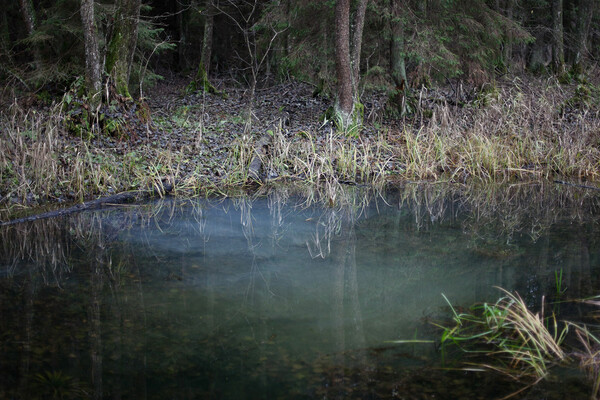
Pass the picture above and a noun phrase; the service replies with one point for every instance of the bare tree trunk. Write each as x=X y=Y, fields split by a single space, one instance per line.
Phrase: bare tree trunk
x=5 y=38
x=357 y=33
x=397 y=100
x=507 y=50
x=584 y=17
x=398 y=64
x=558 y=49
x=92 y=55
x=28 y=14
x=344 y=102
x=207 y=40
x=286 y=34
x=182 y=30
x=121 y=47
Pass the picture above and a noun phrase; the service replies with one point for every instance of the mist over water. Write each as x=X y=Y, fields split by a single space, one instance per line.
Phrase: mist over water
x=276 y=296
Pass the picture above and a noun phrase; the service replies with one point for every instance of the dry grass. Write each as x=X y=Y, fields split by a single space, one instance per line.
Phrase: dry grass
x=514 y=340
x=41 y=162
x=511 y=132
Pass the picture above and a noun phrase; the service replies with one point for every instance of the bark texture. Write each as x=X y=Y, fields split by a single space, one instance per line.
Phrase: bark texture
x=92 y=55
x=344 y=102
x=398 y=65
x=584 y=15
x=357 y=34
x=122 y=44
x=28 y=14
x=207 y=40
x=558 y=49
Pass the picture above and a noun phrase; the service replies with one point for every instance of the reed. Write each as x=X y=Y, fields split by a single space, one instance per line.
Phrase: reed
x=521 y=132
x=515 y=341
x=588 y=355
x=512 y=132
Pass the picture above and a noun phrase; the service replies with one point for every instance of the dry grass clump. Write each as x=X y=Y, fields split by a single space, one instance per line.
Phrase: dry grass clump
x=510 y=131
x=40 y=161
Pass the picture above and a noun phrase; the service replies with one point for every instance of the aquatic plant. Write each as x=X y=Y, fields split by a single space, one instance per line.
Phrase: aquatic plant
x=588 y=356
x=513 y=339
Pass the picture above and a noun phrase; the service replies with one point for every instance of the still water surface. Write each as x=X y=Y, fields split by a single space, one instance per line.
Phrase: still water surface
x=280 y=297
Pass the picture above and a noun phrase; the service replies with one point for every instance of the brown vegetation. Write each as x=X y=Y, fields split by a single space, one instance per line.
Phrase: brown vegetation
x=515 y=130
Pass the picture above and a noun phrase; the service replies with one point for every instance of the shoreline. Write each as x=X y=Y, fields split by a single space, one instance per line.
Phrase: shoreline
x=202 y=144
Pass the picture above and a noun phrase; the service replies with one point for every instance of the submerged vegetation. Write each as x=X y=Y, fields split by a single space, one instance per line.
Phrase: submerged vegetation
x=508 y=338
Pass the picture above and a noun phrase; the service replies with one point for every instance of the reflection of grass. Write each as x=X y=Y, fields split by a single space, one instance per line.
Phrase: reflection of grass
x=56 y=385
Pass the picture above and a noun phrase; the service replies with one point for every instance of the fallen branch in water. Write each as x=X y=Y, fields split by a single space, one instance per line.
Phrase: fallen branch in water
x=576 y=185
x=120 y=198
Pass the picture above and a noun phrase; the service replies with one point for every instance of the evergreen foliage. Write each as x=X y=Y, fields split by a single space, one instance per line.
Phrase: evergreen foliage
x=470 y=40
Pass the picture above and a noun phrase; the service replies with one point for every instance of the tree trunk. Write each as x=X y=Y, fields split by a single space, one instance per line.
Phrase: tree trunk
x=584 y=17
x=397 y=100
x=5 y=45
x=344 y=102
x=182 y=30
x=357 y=31
x=201 y=82
x=558 y=51
x=121 y=47
x=507 y=50
x=28 y=14
x=92 y=55
x=207 y=40
x=398 y=65
x=286 y=33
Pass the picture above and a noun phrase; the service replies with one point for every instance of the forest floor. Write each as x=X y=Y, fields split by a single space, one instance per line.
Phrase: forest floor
x=519 y=129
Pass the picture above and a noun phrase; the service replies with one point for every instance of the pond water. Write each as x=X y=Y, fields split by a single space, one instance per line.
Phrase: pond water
x=284 y=296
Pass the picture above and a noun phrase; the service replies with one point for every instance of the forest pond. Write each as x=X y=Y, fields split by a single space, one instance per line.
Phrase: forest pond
x=282 y=295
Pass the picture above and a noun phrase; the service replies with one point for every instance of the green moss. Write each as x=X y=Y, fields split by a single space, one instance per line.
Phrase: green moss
x=202 y=83
x=113 y=51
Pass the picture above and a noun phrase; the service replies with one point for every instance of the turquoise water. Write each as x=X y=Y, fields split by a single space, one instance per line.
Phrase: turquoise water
x=277 y=296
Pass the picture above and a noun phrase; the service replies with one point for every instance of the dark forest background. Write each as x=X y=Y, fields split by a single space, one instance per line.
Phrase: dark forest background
x=46 y=45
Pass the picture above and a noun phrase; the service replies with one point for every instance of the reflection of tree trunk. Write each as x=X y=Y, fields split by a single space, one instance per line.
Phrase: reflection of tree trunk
x=96 y=327
x=344 y=257
x=140 y=384
x=353 y=287
x=28 y=312
x=117 y=356
x=338 y=254
x=585 y=268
